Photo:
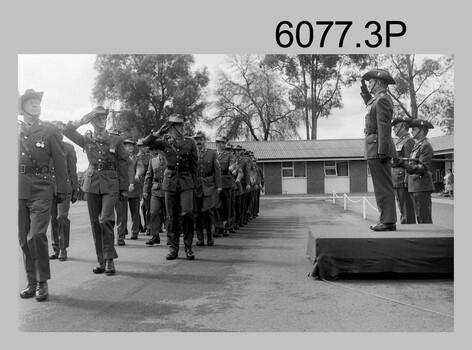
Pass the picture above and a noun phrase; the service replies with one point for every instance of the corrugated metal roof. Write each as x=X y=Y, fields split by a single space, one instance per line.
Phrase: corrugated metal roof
x=320 y=149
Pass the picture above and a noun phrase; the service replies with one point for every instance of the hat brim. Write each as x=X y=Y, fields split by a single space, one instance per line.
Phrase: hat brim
x=31 y=96
x=374 y=74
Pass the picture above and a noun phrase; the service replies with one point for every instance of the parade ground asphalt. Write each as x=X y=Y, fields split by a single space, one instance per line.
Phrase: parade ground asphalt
x=255 y=280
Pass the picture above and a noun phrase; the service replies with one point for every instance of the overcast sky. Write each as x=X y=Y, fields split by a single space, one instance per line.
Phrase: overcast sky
x=67 y=82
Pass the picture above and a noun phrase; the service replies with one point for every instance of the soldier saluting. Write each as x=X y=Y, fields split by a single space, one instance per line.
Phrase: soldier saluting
x=40 y=145
x=178 y=182
x=207 y=187
x=105 y=181
x=379 y=146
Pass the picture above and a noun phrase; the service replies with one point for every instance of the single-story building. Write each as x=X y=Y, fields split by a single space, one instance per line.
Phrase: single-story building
x=324 y=166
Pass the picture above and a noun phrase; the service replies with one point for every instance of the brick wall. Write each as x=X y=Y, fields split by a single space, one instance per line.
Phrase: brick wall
x=273 y=178
x=358 y=176
x=315 y=177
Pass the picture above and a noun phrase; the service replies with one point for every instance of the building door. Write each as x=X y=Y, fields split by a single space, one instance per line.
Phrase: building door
x=294 y=178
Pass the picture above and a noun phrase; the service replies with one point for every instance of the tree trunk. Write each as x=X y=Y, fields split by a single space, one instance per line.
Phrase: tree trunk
x=305 y=98
x=314 y=104
x=413 y=100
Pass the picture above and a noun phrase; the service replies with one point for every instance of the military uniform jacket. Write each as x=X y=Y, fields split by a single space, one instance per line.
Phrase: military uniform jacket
x=252 y=173
x=71 y=162
x=378 y=129
x=143 y=162
x=208 y=172
x=135 y=167
x=181 y=157
x=37 y=147
x=108 y=164
x=243 y=166
x=237 y=175
x=419 y=172
x=260 y=177
x=403 y=146
x=226 y=159
x=155 y=175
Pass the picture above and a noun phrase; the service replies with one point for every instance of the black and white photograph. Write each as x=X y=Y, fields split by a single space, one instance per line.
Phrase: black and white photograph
x=289 y=184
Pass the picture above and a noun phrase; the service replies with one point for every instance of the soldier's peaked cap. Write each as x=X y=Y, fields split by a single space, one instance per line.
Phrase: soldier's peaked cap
x=31 y=94
x=221 y=139
x=421 y=123
x=403 y=119
x=199 y=134
x=378 y=73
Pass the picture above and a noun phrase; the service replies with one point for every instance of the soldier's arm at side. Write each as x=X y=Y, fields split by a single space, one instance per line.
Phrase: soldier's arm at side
x=193 y=160
x=217 y=170
x=122 y=166
x=72 y=168
x=148 y=178
x=384 y=115
x=58 y=156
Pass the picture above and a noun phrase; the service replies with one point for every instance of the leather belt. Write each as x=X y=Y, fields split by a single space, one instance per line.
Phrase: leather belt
x=178 y=170
x=205 y=175
x=25 y=169
x=103 y=166
x=370 y=131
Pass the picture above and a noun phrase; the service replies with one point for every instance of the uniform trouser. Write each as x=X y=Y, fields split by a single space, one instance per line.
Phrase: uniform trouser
x=179 y=205
x=257 y=201
x=423 y=206
x=224 y=210
x=383 y=189
x=134 y=212
x=158 y=213
x=406 y=206
x=121 y=208
x=232 y=213
x=238 y=199
x=102 y=218
x=146 y=210
x=60 y=223
x=33 y=221
x=204 y=215
x=121 y=218
x=248 y=198
x=244 y=198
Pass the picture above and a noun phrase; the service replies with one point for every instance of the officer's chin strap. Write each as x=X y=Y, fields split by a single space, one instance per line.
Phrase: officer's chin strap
x=373 y=86
x=181 y=135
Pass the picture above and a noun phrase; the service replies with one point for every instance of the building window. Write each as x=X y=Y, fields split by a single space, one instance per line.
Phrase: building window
x=293 y=169
x=336 y=168
x=343 y=168
x=287 y=169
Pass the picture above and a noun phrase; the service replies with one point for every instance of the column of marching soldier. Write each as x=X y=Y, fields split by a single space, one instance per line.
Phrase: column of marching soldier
x=197 y=188
x=180 y=185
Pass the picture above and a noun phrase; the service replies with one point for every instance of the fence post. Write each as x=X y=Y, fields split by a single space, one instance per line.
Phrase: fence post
x=364 y=216
x=334 y=197
x=345 y=201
